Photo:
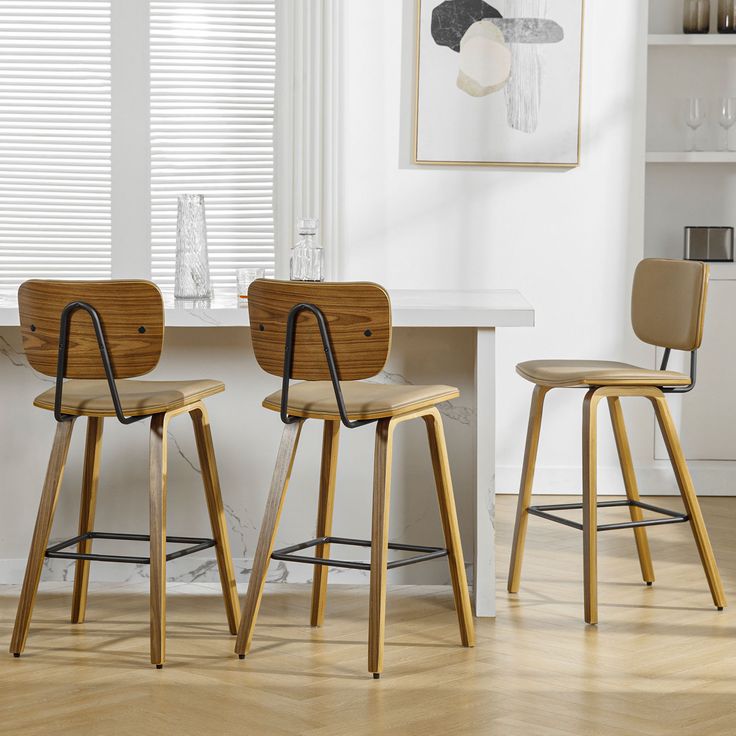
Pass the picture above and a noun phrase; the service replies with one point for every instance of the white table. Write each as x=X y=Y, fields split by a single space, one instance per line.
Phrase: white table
x=483 y=311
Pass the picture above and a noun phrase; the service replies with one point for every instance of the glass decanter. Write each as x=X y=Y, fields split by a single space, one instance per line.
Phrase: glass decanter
x=307 y=256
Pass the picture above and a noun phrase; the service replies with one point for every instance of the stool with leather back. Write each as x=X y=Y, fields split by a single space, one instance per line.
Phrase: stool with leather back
x=667 y=310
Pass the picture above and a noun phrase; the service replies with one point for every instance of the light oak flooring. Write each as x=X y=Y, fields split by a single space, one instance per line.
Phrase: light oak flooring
x=661 y=661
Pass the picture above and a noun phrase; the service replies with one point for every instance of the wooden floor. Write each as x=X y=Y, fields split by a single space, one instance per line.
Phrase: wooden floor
x=661 y=661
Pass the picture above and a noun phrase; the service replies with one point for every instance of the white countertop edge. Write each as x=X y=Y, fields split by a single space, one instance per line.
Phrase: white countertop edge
x=502 y=308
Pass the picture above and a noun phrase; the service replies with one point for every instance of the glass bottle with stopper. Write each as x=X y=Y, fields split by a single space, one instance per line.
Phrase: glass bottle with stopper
x=307 y=256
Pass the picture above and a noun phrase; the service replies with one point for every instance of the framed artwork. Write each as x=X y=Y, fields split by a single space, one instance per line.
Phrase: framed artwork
x=498 y=82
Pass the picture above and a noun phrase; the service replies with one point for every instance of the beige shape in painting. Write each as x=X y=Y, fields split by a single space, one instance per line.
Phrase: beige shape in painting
x=485 y=60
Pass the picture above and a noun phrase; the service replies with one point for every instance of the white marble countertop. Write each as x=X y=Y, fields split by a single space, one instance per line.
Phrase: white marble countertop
x=411 y=308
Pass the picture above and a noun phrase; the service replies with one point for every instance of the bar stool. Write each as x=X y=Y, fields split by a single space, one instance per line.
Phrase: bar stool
x=331 y=336
x=667 y=310
x=99 y=334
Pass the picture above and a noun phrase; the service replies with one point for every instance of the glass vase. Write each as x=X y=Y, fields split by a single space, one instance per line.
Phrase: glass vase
x=726 y=13
x=696 y=16
x=192 y=278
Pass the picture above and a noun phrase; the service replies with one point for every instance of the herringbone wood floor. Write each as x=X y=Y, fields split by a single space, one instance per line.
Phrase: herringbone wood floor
x=662 y=660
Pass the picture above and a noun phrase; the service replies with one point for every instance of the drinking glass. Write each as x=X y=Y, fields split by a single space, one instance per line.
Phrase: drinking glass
x=244 y=278
x=726 y=118
x=695 y=117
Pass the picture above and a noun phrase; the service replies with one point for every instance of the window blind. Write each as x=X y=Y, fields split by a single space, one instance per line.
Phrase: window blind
x=54 y=140
x=212 y=117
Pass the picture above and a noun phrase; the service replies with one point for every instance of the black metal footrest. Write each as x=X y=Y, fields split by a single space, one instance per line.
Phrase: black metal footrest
x=671 y=517
x=427 y=553
x=56 y=550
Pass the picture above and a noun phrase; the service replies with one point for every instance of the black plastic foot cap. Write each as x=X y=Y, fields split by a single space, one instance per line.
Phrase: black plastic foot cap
x=720 y=608
x=17 y=654
x=241 y=656
x=376 y=675
x=649 y=583
x=159 y=666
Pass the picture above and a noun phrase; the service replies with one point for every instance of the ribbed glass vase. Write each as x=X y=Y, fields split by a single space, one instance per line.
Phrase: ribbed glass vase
x=192 y=277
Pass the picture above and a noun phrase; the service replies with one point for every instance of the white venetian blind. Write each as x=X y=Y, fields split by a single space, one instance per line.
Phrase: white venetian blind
x=54 y=139
x=212 y=113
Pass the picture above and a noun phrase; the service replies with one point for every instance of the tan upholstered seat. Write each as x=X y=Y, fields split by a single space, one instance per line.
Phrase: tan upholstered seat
x=139 y=398
x=363 y=400
x=572 y=373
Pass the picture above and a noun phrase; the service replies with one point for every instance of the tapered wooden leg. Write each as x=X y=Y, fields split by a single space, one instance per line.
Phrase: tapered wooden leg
x=590 y=509
x=525 y=488
x=690 y=500
x=448 y=514
x=157 y=489
x=44 y=520
x=269 y=526
x=328 y=470
x=379 y=544
x=90 y=481
x=210 y=477
x=632 y=491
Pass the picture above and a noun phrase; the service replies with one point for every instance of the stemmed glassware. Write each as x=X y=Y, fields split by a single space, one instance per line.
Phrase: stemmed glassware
x=695 y=117
x=726 y=118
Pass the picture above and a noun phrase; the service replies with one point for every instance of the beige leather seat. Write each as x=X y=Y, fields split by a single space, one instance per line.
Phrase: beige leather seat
x=91 y=398
x=363 y=400
x=580 y=373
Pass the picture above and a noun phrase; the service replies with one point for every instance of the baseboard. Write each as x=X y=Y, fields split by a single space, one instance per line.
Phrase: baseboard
x=711 y=478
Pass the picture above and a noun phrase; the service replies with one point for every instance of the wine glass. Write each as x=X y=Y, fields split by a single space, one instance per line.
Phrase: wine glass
x=695 y=117
x=726 y=118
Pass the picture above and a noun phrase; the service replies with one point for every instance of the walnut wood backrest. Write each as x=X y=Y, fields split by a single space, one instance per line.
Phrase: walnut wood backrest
x=132 y=316
x=358 y=317
x=668 y=302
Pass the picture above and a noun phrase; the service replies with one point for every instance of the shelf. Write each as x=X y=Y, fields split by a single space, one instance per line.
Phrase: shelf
x=692 y=39
x=691 y=157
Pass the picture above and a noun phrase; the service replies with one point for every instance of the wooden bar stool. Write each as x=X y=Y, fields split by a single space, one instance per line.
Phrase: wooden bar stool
x=330 y=336
x=667 y=310
x=99 y=334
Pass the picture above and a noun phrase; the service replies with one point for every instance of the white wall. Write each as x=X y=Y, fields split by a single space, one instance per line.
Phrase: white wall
x=568 y=240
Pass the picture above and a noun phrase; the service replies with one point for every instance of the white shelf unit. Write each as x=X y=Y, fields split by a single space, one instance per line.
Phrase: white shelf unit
x=691 y=157
x=694 y=188
x=692 y=39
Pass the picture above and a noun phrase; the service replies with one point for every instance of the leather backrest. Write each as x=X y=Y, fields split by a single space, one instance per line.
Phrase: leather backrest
x=668 y=302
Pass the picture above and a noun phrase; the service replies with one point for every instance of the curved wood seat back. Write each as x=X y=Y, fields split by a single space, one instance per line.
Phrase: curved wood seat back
x=358 y=317
x=132 y=316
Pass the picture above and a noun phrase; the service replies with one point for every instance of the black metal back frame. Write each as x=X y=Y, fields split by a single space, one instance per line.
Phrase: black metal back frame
x=693 y=373
x=196 y=544
x=295 y=311
x=66 y=316
x=290 y=554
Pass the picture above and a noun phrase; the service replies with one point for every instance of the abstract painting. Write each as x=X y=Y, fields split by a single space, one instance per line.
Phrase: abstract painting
x=498 y=82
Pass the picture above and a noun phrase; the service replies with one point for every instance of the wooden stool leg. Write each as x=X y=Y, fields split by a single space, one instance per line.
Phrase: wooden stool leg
x=269 y=526
x=328 y=470
x=157 y=489
x=448 y=514
x=213 y=495
x=590 y=508
x=632 y=491
x=90 y=480
x=690 y=500
x=44 y=520
x=525 y=488
x=379 y=544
